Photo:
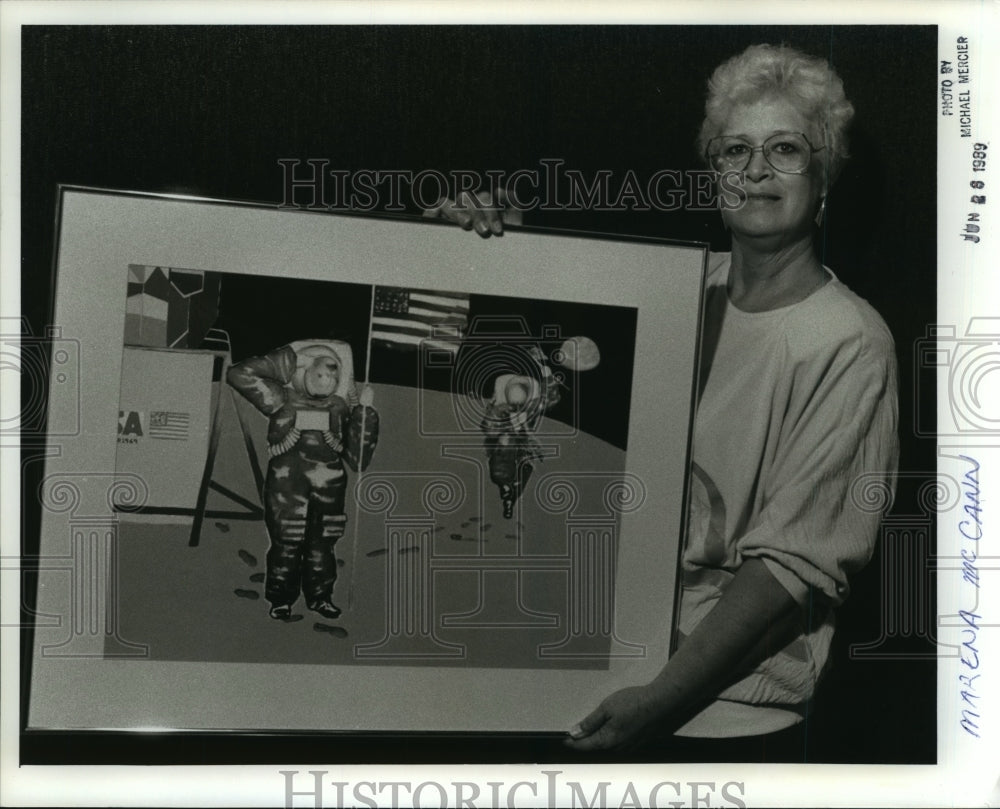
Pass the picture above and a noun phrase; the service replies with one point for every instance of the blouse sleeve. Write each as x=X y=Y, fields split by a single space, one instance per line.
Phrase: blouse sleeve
x=838 y=432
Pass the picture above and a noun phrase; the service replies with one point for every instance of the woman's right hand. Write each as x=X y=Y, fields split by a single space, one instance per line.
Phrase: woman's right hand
x=478 y=212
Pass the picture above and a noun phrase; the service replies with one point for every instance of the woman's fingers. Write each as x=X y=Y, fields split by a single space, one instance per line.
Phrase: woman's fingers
x=590 y=723
x=496 y=212
x=495 y=218
x=586 y=735
x=620 y=720
x=446 y=208
x=479 y=206
x=470 y=211
x=452 y=211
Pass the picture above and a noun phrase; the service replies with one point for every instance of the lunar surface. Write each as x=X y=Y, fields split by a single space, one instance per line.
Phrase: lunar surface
x=429 y=570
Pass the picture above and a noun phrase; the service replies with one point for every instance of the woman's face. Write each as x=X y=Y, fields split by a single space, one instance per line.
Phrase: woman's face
x=780 y=206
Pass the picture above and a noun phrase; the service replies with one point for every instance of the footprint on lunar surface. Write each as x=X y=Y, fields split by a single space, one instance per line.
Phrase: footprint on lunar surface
x=253 y=595
x=248 y=557
x=224 y=527
x=257 y=577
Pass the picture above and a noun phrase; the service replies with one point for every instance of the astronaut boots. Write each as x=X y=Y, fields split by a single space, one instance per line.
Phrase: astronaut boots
x=283 y=612
x=325 y=608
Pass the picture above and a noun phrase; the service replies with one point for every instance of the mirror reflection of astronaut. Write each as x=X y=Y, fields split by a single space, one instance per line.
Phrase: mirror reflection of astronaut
x=317 y=422
x=512 y=416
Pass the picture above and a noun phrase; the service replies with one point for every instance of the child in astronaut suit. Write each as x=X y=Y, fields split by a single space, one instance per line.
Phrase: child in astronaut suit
x=317 y=422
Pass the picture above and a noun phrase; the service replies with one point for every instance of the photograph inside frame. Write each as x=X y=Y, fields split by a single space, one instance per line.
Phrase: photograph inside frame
x=601 y=116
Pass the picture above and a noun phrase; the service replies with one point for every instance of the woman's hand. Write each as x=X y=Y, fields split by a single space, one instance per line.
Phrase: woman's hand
x=755 y=617
x=479 y=212
x=622 y=720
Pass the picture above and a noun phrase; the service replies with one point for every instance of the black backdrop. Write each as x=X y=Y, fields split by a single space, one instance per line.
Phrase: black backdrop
x=210 y=111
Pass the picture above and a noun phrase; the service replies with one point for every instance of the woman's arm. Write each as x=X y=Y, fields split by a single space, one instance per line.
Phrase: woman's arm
x=755 y=617
x=840 y=428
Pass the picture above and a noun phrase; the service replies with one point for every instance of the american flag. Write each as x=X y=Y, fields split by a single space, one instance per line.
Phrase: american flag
x=408 y=318
x=171 y=426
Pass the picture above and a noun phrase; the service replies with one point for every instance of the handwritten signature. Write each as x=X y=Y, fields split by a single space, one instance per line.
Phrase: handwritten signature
x=971 y=529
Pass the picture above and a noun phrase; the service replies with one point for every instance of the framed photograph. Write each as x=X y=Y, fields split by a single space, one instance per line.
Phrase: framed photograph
x=334 y=472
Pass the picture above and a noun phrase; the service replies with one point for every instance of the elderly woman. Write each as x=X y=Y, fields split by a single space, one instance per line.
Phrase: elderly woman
x=797 y=401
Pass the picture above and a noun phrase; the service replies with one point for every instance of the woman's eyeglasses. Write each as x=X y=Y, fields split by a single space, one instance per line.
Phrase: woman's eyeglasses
x=788 y=152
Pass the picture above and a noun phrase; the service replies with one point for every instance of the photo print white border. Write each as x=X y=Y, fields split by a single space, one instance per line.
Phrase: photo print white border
x=967 y=770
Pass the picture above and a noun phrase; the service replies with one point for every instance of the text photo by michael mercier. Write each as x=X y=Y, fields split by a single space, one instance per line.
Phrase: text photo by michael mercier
x=810 y=446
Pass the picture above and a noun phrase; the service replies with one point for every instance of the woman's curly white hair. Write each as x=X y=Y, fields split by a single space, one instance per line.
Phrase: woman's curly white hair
x=808 y=82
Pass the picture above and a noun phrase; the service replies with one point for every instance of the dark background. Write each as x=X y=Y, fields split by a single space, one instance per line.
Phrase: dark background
x=250 y=312
x=210 y=111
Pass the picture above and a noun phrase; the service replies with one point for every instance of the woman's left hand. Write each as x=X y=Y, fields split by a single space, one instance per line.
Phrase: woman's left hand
x=622 y=720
